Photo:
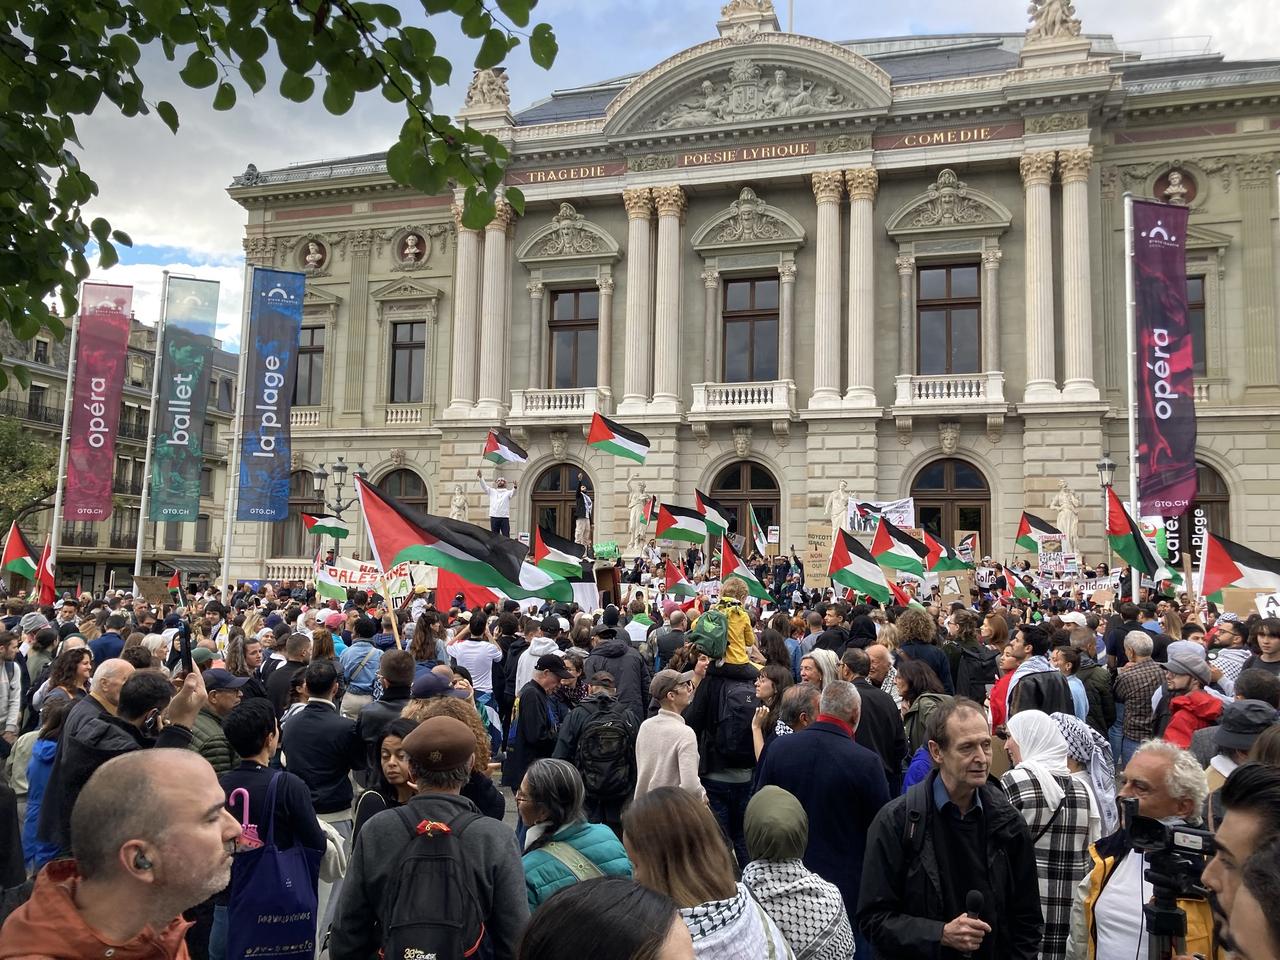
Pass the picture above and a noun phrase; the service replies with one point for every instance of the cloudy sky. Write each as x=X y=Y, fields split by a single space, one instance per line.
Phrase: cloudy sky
x=169 y=191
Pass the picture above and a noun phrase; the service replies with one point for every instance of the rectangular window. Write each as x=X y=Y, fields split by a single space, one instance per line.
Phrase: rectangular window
x=173 y=536
x=948 y=320
x=408 y=354
x=226 y=400
x=308 y=388
x=209 y=437
x=202 y=534
x=1196 y=322
x=206 y=482
x=574 y=326
x=36 y=401
x=40 y=351
x=750 y=330
x=124 y=527
x=137 y=372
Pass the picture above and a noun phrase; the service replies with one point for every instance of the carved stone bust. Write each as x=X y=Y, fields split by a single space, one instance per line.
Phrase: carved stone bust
x=949 y=436
x=315 y=255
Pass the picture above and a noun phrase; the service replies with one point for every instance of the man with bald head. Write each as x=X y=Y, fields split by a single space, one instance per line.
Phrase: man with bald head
x=108 y=678
x=134 y=872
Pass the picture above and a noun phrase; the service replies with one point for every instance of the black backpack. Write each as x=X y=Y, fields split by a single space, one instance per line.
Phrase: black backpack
x=1046 y=691
x=737 y=707
x=606 y=755
x=976 y=669
x=430 y=907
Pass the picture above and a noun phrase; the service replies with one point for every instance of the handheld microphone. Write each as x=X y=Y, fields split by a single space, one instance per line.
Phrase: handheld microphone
x=973 y=909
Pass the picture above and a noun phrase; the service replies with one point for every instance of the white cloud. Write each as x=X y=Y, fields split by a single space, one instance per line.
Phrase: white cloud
x=147 y=280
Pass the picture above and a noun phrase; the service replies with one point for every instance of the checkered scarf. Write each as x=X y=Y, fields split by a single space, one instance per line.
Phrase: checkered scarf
x=1090 y=749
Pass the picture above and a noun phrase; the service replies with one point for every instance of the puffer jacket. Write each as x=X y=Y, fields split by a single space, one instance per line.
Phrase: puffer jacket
x=544 y=873
x=1191 y=712
x=208 y=740
x=741 y=636
x=629 y=670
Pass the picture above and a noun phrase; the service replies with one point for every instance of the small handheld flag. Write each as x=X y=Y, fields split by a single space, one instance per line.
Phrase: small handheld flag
x=1031 y=530
x=733 y=567
x=500 y=448
x=326 y=526
x=680 y=523
x=19 y=558
x=853 y=566
x=613 y=437
x=715 y=515
x=676 y=583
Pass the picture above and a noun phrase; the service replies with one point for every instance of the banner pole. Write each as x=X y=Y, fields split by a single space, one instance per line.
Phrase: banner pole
x=232 y=498
x=1131 y=358
x=145 y=502
x=55 y=531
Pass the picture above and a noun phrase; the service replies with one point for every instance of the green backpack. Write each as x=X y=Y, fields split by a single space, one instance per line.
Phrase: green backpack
x=710 y=634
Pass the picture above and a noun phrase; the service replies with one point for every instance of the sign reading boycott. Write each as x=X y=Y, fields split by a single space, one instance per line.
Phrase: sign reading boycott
x=817 y=556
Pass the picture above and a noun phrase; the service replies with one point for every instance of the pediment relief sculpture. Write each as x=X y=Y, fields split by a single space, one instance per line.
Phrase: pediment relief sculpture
x=949 y=204
x=753 y=91
x=569 y=235
x=748 y=221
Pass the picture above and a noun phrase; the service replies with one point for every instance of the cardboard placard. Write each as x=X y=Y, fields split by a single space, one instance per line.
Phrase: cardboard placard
x=1105 y=595
x=155 y=589
x=954 y=586
x=969 y=545
x=1269 y=604
x=1240 y=602
x=817 y=556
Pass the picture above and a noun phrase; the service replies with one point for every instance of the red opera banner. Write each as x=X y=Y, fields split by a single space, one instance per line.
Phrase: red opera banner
x=103 y=339
x=1165 y=388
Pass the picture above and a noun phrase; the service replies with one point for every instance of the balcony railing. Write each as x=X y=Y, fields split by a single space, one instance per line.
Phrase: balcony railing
x=131 y=488
x=768 y=398
x=79 y=538
x=1202 y=392
x=543 y=404
x=403 y=416
x=304 y=417
x=124 y=539
x=25 y=410
x=289 y=569
x=951 y=390
x=133 y=429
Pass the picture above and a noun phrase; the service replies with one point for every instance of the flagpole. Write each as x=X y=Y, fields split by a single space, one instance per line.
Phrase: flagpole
x=231 y=501
x=55 y=531
x=1131 y=357
x=145 y=502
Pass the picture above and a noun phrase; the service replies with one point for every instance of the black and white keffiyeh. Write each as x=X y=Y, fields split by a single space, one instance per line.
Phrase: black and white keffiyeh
x=1090 y=749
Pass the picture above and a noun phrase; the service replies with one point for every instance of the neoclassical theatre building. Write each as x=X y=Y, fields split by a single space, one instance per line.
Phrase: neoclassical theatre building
x=790 y=262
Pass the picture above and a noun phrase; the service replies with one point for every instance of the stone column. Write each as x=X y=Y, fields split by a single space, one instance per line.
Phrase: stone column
x=906 y=315
x=639 y=331
x=1077 y=298
x=537 y=324
x=991 y=310
x=1037 y=173
x=493 y=312
x=711 y=324
x=670 y=202
x=1257 y=179
x=604 y=338
x=828 y=187
x=359 y=243
x=787 y=321
x=862 y=183
x=466 y=310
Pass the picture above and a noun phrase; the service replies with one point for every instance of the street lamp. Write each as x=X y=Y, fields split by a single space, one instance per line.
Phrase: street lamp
x=320 y=477
x=1106 y=468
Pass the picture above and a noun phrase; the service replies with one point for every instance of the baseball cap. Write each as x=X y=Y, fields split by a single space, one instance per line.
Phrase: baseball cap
x=33 y=622
x=550 y=625
x=431 y=684
x=1073 y=617
x=555 y=664
x=218 y=679
x=664 y=681
x=334 y=620
x=1243 y=721
x=201 y=656
x=1188 y=665
x=440 y=743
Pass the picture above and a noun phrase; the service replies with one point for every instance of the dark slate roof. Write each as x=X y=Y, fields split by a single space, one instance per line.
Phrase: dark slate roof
x=565 y=105
x=931 y=65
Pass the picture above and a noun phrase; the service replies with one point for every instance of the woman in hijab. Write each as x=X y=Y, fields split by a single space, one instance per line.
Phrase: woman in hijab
x=1056 y=809
x=807 y=909
x=1089 y=760
x=862 y=632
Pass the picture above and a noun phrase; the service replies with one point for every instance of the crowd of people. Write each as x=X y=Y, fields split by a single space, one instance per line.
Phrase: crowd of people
x=667 y=777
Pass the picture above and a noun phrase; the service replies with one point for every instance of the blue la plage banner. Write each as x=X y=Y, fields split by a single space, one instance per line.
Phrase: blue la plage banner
x=275 y=322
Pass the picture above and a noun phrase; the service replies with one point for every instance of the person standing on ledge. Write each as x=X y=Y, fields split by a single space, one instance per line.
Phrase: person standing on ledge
x=499 y=503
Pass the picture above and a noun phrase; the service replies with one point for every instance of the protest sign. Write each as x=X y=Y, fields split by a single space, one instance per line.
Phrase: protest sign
x=817 y=556
x=155 y=589
x=1269 y=605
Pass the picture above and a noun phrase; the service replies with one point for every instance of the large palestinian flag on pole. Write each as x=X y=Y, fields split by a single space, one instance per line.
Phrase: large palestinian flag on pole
x=677 y=584
x=613 y=437
x=1031 y=530
x=1128 y=543
x=398 y=533
x=942 y=558
x=326 y=526
x=680 y=523
x=500 y=448
x=19 y=558
x=853 y=566
x=715 y=515
x=755 y=532
x=732 y=566
x=1224 y=563
x=556 y=555
x=893 y=547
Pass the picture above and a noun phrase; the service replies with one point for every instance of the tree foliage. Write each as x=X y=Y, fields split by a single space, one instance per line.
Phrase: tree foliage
x=28 y=470
x=69 y=58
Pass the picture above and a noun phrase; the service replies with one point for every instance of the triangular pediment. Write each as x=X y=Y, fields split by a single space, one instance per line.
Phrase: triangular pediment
x=1201 y=238
x=949 y=206
x=748 y=223
x=569 y=236
x=319 y=297
x=405 y=289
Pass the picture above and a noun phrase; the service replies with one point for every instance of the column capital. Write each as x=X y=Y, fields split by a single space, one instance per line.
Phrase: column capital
x=605 y=284
x=787 y=272
x=669 y=200
x=991 y=259
x=710 y=278
x=1075 y=164
x=862 y=182
x=503 y=216
x=906 y=265
x=639 y=202
x=1037 y=168
x=535 y=288
x=828 y=186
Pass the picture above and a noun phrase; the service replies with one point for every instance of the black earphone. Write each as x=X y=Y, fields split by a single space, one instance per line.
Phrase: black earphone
x=141 y=862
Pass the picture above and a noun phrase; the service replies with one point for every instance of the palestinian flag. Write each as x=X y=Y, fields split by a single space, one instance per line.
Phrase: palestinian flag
x=45 y=590
x=902 y=598
x=853 y=566
x=893 y=547
x=866 y=510
x=18 y=558
x=677 y=584
x=755 y=532
x=1129 y=543
x=1224 y=563
x=556 y=555
x=731 y=566
x=327 y=586
x=398 y=532
x=500 y=448
x=941 y=557
x=680 y=523
x=1030 y=531
x=175 y=583
x=713 y=513
x=1013 y=585
x=613 y=437
x=326 y=526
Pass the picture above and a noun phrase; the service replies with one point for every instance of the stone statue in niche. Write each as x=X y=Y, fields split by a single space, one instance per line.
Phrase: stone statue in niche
x=315 y=256
x=637 y=506
x=1067 y=505
x=837 y=507
x=411 y=249
x=458 y=504
x=1176 y=191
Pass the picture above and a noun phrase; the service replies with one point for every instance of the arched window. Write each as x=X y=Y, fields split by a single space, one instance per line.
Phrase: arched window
x=288 y=537
x=1213 y=500
x=952 y=499
x=553 y=495
x=743 y=483
x=407 y=487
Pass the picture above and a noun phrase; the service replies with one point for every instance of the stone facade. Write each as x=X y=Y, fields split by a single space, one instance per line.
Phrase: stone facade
x=729 y=161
